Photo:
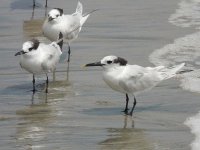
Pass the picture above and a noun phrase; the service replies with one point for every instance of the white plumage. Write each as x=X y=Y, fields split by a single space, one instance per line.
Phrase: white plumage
x=69 y=25
x=39 y=58
x=132 y=79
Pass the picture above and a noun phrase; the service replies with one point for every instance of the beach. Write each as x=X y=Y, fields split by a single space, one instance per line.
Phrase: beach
x=83 y=112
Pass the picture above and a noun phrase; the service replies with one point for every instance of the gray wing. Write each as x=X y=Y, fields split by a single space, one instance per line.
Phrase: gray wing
x=136 y=79
x=130 y=79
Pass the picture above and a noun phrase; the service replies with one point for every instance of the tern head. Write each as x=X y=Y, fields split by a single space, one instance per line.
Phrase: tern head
x=54 y=14
x=109 y=61
x=28 y=47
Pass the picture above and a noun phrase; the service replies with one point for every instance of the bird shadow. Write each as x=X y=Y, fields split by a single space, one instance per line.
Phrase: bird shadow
x=102 y=111
x=118 y=110
x=56 y=90
x=21 y=88
x=148 y=108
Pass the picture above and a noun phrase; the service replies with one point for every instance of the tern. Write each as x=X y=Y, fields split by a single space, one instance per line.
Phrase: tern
x=40 y=58
x=132 y=79
x=69 y=25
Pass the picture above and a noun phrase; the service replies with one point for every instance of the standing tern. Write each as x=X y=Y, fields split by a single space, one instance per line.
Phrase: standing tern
x=132 y=79
x=69 y=25
x=39 y=58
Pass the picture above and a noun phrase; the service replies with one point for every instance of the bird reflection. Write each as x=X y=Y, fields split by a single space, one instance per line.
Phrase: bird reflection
x=33 y=97
x=126 y=137
x=56 y=90
x=33 y=27
x=126 y=118
x=36 y=120
x=68 y=71
x=31 y=124
x=33 y=12
x=34 y=3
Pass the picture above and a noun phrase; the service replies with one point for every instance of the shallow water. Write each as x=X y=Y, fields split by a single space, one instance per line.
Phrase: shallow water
x=82 y=112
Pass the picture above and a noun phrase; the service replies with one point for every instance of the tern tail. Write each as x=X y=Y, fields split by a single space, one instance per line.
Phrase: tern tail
x=167 y=73
x=86 y=15
x=79 y=8
x=83 y=19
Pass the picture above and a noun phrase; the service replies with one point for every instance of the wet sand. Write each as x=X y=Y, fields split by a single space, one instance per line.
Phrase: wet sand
x=83 y=113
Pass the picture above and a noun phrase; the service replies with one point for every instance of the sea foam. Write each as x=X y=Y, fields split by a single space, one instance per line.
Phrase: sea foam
x=185 y=49
x=194 y=124
x=187 y=14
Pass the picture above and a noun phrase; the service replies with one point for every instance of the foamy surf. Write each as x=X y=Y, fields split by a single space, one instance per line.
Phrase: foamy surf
x=185 y=49
x=187 y=14
x=193 y=123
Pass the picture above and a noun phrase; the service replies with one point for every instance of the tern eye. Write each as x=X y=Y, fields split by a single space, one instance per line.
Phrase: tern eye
x=57 y=15
x=30 y=49
x=109 y=62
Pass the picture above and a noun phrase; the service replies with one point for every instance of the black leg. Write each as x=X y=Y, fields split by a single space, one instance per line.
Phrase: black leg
x=33 y=3
x=60 y=40
x=126 y=108
x=69 y=53
x=46 y=4
x=45 y=14
x=134 y=104
x=33 y=12
x=47 y=84
x=34 y=84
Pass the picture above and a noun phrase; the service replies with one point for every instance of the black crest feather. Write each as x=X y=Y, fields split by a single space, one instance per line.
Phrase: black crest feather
x=121 y=61
x=35 y=43
x=60 y=10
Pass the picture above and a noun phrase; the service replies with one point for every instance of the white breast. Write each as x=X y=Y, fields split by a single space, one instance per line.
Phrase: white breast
x=68 y=25
x=31 y=62
x=111 y=77
x=42 y=60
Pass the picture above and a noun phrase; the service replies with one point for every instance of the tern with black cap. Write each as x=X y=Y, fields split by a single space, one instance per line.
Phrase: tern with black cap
x=132 y=79
x=69 y=25
x=40 y=58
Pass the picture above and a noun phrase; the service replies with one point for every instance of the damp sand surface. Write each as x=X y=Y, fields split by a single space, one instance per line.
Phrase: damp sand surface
x=82 y=112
